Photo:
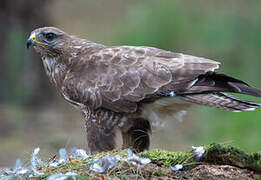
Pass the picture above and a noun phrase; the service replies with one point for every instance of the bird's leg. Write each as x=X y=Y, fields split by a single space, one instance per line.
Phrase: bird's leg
x=137 y=136
x=126 y=140
x=99 y=136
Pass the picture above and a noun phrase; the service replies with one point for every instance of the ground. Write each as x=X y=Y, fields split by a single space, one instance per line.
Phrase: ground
x=214 y=161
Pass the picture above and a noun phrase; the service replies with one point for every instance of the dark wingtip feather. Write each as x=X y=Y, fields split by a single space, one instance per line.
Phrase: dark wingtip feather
x=245 y=89
x=214 y=82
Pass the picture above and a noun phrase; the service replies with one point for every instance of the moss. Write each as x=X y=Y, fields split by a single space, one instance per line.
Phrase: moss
x=227 y=154
x=166 y=158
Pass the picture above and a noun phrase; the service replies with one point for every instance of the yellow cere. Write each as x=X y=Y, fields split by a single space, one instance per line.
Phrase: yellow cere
x=33 y=37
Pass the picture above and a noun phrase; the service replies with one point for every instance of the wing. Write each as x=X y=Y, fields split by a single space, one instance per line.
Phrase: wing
x=118 y=78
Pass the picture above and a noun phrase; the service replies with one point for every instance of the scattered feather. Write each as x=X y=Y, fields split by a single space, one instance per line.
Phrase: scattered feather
x=63 y=157
x=36 y=162
x=105 y=163
x=54 y=163
x=108 y=162
x=78 y=154
x=17 y=170
x=18 y=164
x=100 y=166
x=177 y=167
x=199 y=152
x=134 y=158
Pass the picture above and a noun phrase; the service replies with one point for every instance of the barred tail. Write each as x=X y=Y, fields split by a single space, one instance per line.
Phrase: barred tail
x=222 y=101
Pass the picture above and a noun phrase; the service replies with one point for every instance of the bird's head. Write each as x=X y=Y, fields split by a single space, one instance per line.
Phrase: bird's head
x=48 y=41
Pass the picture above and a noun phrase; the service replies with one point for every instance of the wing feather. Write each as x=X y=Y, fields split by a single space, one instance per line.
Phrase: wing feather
x=125 y=75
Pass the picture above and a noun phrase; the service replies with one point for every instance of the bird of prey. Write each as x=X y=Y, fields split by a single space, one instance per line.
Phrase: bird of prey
x=128 y=87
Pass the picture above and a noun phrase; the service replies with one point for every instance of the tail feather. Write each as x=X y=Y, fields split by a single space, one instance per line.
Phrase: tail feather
x=213 y=82
x=246 y=89
x=210 y=90
x=222 y=101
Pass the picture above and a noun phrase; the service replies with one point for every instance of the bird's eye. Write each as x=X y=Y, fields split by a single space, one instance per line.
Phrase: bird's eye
x=50 y=36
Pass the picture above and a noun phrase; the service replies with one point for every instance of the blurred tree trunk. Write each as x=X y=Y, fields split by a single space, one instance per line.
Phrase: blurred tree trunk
x=21 y=70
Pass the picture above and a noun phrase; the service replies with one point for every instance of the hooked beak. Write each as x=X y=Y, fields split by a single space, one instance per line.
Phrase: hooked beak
x=32 y=41
x=29 y=43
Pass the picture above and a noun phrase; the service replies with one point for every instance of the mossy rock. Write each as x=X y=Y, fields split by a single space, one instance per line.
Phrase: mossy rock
x=229 y=155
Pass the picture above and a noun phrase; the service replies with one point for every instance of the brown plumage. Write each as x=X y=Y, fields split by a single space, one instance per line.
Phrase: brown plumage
x=129 y=87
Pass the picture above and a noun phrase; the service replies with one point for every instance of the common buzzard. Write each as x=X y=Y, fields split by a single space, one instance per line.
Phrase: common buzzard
x=128 y=87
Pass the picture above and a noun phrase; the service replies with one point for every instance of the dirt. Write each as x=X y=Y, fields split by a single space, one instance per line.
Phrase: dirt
x=201 y=172
x=220 y=172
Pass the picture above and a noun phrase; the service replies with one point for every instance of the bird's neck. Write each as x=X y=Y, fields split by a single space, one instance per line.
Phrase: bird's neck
x=54 y=69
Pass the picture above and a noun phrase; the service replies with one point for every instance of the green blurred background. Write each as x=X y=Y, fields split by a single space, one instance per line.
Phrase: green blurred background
x=32 y=114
